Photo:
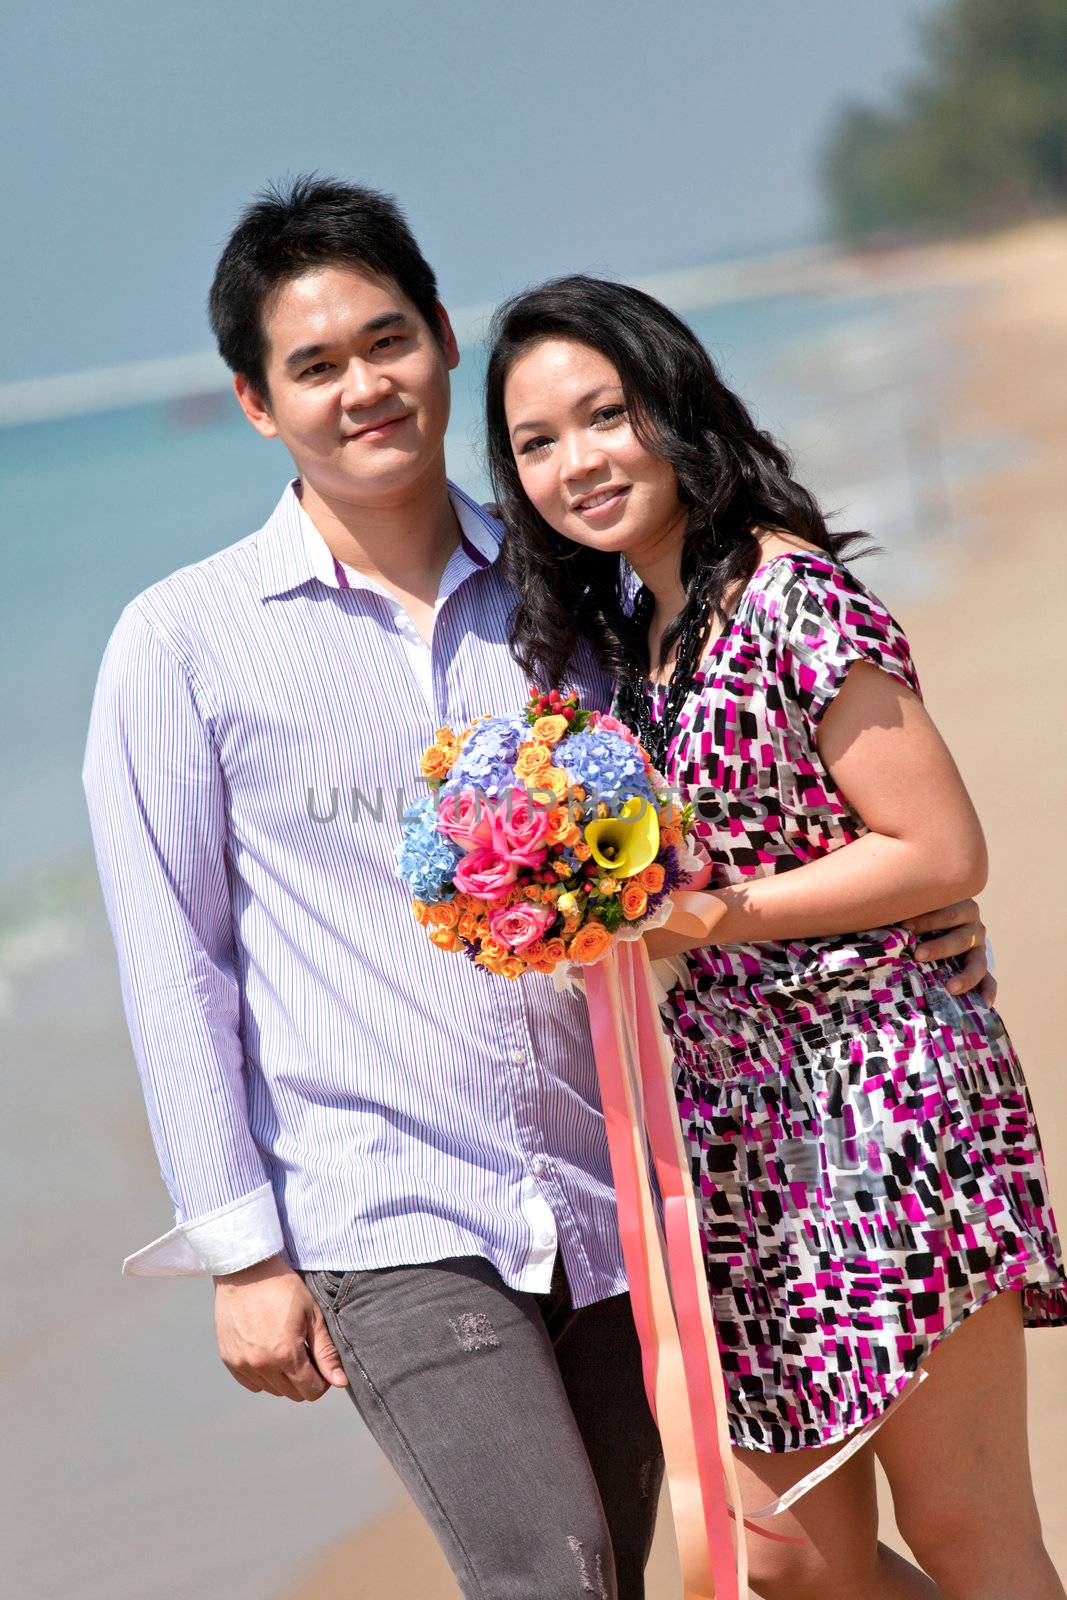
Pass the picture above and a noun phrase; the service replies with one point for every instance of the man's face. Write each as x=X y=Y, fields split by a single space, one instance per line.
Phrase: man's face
x=359 y=388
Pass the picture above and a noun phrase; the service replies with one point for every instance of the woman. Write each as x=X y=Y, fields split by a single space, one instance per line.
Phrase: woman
x=871 y=1174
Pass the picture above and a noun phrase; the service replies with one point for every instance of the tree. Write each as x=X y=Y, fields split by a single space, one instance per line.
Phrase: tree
x=982 y=134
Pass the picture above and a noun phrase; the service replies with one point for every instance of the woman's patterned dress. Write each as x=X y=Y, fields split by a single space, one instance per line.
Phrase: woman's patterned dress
x=863 y=1143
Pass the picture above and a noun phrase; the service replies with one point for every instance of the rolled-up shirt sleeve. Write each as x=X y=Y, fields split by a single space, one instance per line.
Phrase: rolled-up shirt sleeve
x=156 y=801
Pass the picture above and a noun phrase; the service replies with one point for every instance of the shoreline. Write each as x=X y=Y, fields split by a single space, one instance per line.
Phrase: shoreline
x=1004 y=580
x=824 y=270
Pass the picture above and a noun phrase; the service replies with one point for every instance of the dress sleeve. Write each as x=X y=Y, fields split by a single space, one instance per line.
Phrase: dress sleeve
x=826 y=621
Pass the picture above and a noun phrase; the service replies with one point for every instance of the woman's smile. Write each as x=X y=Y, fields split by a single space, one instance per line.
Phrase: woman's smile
x=600 y=506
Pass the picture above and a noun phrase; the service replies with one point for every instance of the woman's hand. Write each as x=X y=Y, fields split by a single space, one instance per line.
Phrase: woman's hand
x=691 y=924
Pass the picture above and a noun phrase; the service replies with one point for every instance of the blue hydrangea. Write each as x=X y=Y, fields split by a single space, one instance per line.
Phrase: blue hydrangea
x=487 y=760
x=426 y=859
x=606 y=766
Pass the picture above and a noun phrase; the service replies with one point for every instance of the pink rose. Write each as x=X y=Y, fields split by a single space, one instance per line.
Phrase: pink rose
x=485 y=874
x=518 y=927
x=600 y=719
x=466 y=818
x=519 y=829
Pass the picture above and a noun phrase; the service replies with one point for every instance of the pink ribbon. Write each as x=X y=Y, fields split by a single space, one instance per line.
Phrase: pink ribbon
x=668 y=1288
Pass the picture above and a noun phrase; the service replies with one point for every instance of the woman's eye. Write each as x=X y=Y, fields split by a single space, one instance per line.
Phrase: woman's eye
x=608 y=416
x=535 y=447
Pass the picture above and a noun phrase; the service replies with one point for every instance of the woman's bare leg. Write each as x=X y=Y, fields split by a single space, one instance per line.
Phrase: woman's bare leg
x=841 y=1558
x=958 y=1464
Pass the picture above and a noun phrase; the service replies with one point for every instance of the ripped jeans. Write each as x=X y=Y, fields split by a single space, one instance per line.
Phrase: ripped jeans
x=519 y=1425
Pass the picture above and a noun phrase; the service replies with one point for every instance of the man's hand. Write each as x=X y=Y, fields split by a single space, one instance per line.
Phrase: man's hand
x=959 y=931
x=272 y=1335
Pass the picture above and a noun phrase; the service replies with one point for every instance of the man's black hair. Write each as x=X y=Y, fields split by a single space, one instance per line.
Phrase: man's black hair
x=296 y=227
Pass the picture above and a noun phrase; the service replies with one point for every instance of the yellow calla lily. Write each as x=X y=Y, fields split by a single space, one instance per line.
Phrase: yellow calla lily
x=628 y=843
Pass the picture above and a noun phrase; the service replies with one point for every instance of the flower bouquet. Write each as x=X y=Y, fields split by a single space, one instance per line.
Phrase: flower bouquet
x=545 y=838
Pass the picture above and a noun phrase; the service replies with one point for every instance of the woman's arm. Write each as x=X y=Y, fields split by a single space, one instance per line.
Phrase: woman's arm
x=924 y=847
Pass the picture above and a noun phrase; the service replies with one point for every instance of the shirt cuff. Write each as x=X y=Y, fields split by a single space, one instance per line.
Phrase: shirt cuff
x=236 y=1235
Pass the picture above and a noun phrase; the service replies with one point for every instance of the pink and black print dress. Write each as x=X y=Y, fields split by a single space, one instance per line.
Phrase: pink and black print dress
x=862 y=1142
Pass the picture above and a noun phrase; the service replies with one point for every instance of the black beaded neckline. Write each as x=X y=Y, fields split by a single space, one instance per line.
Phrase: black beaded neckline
x=634 y=699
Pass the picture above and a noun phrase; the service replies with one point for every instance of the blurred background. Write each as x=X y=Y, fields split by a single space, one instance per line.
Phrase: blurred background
x=859 y=204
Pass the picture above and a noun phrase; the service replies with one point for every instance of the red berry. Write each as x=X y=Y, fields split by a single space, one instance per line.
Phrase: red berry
x=568 y=713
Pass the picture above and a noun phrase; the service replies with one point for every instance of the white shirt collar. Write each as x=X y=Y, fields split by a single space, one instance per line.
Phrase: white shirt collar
x=479 y=547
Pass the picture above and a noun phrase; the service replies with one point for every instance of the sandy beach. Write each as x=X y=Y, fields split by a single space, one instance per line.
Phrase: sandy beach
x=1001 y=603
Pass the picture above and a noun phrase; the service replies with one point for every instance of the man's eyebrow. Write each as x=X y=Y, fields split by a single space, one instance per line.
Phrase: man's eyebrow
x=304 y=352
x=582 y=400
x=388 y=319
x=309 y=352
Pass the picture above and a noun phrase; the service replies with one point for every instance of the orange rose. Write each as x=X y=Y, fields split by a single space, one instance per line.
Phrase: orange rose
x=582 y=851
x=549 y=730
x=438 y=761
x=651 y=880
x=555 y=780
x=539 y=958
x=559 y=823
x=634 y=901
x=421 y=912
x=561 y=830
x=531 y=760
x=555 y=951
x=512 y=967
x=670 y=826
x=469 y=926
x=445 y=938
x=445 y=736
x=493 y=951
x=590 y=942
x=444 y=915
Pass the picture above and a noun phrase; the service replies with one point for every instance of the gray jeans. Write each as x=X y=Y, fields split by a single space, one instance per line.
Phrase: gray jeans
x=519 y=1425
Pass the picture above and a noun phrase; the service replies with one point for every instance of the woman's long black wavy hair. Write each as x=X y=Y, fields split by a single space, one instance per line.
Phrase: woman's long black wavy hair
x=733 y=477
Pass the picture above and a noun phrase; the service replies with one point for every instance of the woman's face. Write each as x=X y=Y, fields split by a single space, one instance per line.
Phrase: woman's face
x=579 y=460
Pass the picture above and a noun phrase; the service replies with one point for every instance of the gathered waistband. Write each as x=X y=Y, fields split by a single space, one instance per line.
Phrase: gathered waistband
x=732 y=1038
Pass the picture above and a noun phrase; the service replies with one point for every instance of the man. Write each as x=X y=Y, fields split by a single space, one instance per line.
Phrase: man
x=394 y=1167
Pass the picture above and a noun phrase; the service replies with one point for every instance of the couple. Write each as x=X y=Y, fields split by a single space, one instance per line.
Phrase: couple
x=394 y=1166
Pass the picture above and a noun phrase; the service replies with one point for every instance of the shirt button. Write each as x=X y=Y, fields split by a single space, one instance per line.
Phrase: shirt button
x=539 y=1164
x=519 y=1057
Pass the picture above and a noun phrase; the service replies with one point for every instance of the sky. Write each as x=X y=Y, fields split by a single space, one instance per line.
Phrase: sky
x=621 y=136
